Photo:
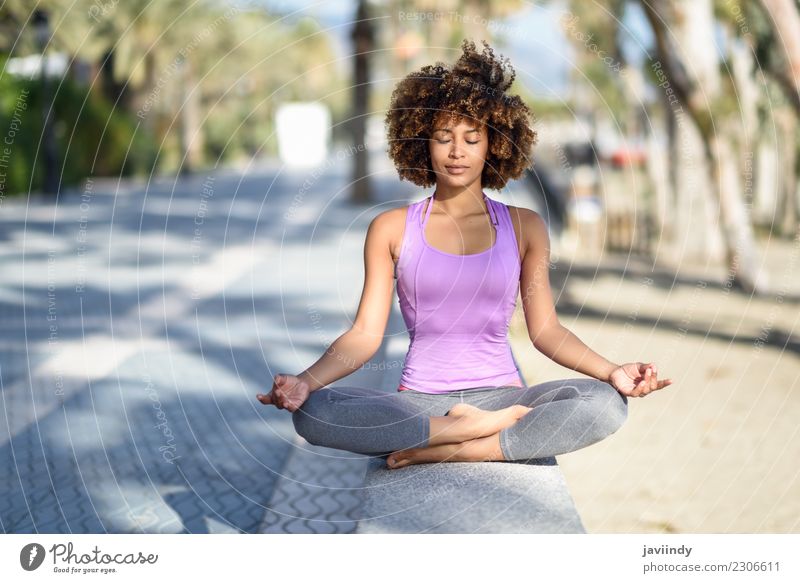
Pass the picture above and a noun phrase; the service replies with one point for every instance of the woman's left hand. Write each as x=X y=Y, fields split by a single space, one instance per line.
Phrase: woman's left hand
x=636 y=379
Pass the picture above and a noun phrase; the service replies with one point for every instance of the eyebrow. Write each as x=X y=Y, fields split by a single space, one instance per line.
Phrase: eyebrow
x=451 y=131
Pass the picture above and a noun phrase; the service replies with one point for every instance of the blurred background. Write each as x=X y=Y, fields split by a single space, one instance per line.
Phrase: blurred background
x=665 y=129
x=187 y=186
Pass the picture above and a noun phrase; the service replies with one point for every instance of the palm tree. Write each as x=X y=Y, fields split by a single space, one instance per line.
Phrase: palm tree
x=783 y=18
x=684 y=43
x=363 y=40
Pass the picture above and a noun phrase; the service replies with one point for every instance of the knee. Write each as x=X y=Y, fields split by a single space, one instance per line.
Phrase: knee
x=309 y=418
x=610 y=406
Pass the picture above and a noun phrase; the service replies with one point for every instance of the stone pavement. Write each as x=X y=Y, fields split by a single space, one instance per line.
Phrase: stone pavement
x=137 y=323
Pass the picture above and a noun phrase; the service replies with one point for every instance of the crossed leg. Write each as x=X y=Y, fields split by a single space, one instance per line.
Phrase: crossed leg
x=565 y=415
x=370 y=421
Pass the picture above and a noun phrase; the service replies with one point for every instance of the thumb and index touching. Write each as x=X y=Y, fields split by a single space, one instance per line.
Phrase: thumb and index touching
x=280 y=379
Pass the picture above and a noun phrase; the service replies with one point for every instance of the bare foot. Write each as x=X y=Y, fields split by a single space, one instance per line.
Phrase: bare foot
x=480 y=449
x=464 y=422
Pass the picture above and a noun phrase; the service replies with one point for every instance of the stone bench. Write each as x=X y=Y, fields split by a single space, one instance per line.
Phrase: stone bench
x=465 y=497
x=468 y=497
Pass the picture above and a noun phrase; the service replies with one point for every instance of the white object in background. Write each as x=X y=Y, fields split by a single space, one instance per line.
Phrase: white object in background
x=30 y=67
x=303 y=133
x=376 y=133
x=586 y=209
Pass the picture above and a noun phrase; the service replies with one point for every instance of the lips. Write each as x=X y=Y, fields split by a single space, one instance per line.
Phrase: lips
x=456 y=169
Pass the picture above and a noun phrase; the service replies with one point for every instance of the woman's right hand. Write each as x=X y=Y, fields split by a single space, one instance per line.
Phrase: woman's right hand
x=288 y=392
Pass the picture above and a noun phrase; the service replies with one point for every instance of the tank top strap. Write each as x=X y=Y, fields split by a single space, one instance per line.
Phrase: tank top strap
x=427 y=211
x=414 y=213
x=411 y=233
x=489 y=206
x=506 y=229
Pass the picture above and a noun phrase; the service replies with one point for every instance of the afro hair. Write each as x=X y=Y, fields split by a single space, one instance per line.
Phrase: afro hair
x=473 y=89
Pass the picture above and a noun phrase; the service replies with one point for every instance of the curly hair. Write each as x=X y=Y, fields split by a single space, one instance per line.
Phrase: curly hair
x=473 y=89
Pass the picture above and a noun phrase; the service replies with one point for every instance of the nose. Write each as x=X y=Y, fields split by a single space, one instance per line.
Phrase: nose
x=455 y=150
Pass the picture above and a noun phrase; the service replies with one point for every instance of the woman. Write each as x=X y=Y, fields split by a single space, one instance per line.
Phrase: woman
x=460 y=259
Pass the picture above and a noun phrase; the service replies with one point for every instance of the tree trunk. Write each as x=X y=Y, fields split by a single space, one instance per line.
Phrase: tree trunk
x=191 y=134
x=363 y=44
x=659 y=174
x=678 y=27
x=784 y=18
x=742 y=256
x=786 y=124
x=115 y=92
x=766 y=179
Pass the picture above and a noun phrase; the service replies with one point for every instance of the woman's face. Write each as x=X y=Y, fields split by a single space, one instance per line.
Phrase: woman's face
x=458 y=152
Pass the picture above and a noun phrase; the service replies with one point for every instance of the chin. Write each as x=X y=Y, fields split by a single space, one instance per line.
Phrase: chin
x=466 y=181
x=459 y=179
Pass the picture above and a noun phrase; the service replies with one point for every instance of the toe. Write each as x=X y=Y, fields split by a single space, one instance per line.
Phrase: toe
x=460 y=409
x=396 y=459
x=394 y=462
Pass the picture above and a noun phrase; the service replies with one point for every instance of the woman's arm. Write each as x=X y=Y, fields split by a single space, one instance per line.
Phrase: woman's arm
x=356 y=346
x=545 y=331
x=561 y=345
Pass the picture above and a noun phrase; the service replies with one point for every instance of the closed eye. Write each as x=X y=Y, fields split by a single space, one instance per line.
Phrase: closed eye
x=448 y=141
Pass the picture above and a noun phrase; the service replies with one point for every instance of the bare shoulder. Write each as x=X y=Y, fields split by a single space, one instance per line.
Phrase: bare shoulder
x=524 y=216
x=389 y=226
x=528 y=226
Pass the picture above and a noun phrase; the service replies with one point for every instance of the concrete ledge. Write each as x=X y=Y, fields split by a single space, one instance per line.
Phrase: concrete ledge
x=468 y=497
x=462 y=497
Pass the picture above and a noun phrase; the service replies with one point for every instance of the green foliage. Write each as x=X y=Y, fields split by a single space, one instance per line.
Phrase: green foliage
x=230 y=133
x=92 y=137
x=242 y=63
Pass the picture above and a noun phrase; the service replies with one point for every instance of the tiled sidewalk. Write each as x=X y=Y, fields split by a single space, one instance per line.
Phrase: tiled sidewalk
x=136 y=327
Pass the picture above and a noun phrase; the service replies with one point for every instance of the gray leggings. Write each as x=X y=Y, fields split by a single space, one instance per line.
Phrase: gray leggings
x=566 y=415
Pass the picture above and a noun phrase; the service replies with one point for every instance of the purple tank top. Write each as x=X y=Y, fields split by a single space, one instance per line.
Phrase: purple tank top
x=457 y=308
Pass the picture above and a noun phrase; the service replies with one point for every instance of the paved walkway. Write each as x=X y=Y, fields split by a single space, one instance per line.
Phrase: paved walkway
x=136 y=325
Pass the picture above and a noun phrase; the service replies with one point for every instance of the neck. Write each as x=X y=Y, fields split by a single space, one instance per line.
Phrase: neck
x=459 y=200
